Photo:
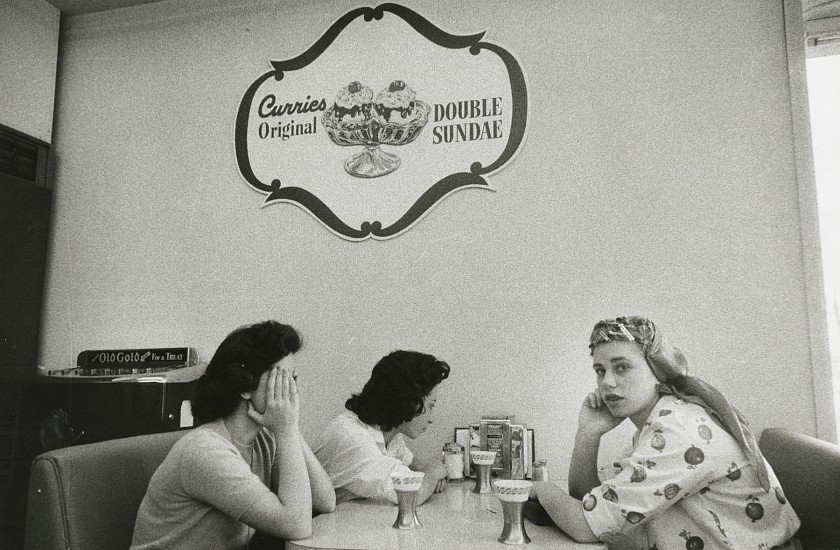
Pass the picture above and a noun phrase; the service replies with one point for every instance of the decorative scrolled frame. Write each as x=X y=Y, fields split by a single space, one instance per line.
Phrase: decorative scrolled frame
x=276 y=191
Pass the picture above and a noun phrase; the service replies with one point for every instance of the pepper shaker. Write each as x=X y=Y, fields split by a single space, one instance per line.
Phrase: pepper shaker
x=540 y=472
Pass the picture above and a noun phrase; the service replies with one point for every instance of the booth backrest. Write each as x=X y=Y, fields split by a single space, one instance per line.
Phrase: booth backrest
x=86 y=497
x=809 y=471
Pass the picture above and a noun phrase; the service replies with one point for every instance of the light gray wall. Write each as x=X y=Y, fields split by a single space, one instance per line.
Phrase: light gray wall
x=657 y=177
x=28 y=54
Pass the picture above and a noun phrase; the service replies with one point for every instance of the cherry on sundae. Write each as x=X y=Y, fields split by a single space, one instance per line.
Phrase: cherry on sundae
x=352 y=104
x=395 y=103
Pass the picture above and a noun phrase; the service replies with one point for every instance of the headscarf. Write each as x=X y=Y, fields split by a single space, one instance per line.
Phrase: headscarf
x=670 y=367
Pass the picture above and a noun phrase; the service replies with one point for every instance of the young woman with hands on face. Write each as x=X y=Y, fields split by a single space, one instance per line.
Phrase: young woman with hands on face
x=246 y=467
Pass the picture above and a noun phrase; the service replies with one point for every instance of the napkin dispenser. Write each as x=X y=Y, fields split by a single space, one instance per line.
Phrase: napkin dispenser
x=513 y=443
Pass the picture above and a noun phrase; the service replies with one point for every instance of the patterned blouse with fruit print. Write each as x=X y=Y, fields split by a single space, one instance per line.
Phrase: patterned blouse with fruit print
x=685 y=484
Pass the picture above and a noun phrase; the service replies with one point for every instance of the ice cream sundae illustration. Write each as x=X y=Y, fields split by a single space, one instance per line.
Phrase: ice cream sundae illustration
x=392 y=117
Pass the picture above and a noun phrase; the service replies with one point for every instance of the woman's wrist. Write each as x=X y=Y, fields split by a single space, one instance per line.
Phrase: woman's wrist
x=284 y=431
x=534 y=494
x=435 y=469
x=589 y=436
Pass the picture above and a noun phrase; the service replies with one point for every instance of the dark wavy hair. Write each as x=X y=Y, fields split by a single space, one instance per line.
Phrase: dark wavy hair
x=397 y=387
x=242 y=357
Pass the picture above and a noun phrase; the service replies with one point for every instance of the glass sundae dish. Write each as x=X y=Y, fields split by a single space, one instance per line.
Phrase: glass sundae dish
x=392 y=117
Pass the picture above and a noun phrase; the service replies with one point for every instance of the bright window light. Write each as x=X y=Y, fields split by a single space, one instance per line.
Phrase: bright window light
x=824 y=100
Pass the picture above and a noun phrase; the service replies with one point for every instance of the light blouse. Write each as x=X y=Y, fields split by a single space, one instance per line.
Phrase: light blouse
x=685 y=483
x=357 y=460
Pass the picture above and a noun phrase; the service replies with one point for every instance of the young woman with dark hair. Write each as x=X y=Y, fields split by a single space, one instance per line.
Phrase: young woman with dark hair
x=363 y=446
x=245 y=468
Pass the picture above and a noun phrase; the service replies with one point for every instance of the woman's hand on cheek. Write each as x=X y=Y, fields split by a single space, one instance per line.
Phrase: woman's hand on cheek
x=595 y=418
x=281 y=403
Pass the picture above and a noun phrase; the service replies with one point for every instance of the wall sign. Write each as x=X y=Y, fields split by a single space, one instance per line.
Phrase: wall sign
x=379 y=120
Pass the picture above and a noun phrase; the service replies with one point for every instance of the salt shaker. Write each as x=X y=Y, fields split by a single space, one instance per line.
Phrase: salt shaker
x=540 y=470
x=453 y=457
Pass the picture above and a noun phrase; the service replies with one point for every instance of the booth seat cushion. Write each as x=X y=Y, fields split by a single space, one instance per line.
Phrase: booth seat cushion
x=86 y=497
x=809 y=471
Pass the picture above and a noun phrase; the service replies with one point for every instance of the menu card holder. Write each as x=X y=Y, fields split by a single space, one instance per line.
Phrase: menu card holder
x=521 y=451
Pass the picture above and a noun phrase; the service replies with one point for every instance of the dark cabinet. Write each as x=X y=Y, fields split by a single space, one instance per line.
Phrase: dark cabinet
x=60 y=413
x=25 y=200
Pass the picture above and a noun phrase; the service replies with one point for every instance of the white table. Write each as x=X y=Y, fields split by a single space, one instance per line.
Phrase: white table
x=455 y=519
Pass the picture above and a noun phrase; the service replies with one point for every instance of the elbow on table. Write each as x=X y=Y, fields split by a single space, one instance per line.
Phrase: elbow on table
x=327 y=505
x=584 y=536
x=305 y=531
x=577 y=492
x=580 y=531
x=299 y=530
x=293 y=526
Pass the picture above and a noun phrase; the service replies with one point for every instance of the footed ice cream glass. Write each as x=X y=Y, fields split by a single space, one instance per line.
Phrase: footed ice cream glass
x=513 y=493
x=483 y=462
x=406 y=486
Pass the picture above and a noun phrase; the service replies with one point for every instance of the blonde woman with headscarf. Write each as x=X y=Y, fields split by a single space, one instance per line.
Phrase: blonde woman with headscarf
x=693 y=477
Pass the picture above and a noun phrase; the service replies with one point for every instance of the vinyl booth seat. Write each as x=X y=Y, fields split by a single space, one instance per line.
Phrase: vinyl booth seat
x=86 y=497
x=809 y=471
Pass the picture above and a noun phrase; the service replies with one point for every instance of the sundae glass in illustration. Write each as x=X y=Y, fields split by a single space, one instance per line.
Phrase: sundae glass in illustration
x=393 y=117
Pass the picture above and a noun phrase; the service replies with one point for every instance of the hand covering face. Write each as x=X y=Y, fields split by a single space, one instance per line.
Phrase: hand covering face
x=670 y=367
